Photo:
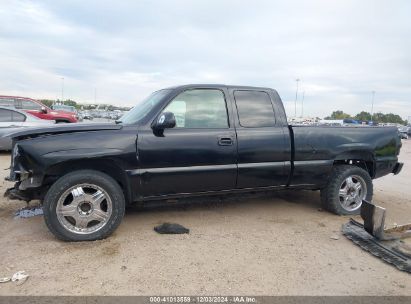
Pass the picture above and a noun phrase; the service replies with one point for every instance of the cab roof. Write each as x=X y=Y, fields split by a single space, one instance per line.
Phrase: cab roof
x=213 y=85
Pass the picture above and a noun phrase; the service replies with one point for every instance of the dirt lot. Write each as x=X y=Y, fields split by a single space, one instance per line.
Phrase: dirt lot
x=276 y=244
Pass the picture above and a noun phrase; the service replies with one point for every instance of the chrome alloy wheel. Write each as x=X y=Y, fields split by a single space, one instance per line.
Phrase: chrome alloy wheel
x=84 y=208
x=352 y=191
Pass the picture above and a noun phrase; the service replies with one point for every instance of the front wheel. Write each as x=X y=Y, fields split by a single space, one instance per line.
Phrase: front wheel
x=84 y=205
x=347 y=187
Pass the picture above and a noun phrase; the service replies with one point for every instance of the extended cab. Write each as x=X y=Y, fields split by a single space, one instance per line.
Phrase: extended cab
x=192 y=140
x=37 y=109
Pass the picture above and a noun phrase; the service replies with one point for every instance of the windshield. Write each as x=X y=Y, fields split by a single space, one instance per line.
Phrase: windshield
x=141 y=109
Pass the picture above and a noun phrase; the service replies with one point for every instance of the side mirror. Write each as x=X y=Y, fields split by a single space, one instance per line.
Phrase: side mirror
x=166 y=120
x=43 y=110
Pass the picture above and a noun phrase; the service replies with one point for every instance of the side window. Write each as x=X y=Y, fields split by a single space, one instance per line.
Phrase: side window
x=178 y=107
x=17 y=103
x=199 y=108
x=16 y=116
x=30 y=105
x=254 y=109
x=7 y=102
x=5 y=115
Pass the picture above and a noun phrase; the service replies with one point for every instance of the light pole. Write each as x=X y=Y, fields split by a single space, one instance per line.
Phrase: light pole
x=296 y=94
x=372 y=104
x=302 y=105
x=62 y=89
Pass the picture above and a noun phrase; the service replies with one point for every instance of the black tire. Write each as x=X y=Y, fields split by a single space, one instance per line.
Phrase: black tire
x=105 y=182
x=330 y=196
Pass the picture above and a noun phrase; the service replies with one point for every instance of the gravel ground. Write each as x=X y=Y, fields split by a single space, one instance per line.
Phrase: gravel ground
x=273 y=244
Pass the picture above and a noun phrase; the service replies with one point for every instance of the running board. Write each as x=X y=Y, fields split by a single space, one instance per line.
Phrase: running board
x=371 y=236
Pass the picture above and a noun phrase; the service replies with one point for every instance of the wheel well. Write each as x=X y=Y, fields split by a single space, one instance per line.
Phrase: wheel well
x=58 y=120
x=107 y=166
x=360 y=159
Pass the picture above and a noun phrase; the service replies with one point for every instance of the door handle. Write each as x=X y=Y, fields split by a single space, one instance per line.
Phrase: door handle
x=225 y=141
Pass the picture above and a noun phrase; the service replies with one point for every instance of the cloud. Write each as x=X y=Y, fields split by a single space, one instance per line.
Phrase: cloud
x=341 y=50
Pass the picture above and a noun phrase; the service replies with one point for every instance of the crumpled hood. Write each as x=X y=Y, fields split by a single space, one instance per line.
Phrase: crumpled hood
x=63 y=128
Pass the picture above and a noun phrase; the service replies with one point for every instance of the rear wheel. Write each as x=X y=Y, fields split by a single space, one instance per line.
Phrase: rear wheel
x=347 y=187
x=84 y=205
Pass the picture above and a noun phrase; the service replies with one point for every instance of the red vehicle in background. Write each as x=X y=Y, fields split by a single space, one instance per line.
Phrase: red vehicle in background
x=37 y=109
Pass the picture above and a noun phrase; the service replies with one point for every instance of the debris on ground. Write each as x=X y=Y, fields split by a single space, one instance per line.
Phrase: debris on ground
x=5 y=280
x=27 y=212
x=169 y=228
x=20 y=277
x=387 y=244
x=335 y=237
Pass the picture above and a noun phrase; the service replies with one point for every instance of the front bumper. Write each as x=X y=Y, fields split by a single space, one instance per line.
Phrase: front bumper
x=25 y=179
x=397 y=168
x=16 y=194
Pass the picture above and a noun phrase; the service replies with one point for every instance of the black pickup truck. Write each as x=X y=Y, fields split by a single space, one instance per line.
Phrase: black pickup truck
x=187 y=141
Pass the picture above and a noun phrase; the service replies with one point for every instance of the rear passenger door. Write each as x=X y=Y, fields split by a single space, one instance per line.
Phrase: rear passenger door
x=263 y=141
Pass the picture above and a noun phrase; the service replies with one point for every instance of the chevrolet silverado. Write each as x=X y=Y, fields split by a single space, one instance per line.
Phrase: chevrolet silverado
x=187 y=141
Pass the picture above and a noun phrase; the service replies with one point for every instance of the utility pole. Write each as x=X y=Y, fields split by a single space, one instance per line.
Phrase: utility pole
x=302 y=105
x=62 y=90
x=95 y=95
x=296 y=94
x=372 y=104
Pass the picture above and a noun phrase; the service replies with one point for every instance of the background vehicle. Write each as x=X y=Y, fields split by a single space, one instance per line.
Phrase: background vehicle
x=350 y=122
x=37 y=109
x=187 y=141
x=331 y=122
x=86 y=115
x=65 y=108
x=68 y=109
x=12 y=120
x=403 y=132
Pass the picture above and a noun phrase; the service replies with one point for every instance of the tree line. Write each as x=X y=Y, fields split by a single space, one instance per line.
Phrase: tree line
x=366 y=116
x=79 y=106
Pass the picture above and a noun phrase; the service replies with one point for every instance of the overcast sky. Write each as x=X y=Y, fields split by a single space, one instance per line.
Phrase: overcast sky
x=341 y=50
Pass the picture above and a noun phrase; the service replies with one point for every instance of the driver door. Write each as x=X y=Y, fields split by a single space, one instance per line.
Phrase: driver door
x=198 y=154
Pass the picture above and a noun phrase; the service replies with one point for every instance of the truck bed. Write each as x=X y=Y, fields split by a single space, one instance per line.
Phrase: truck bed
x=316 y=148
